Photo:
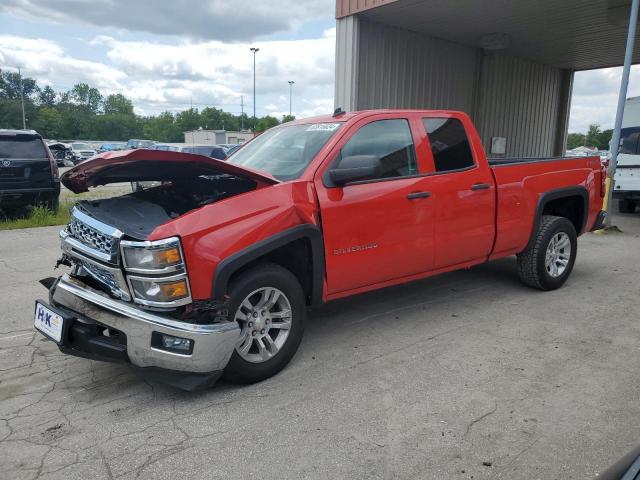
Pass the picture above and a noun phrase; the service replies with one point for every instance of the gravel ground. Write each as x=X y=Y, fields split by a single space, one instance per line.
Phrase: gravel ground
x=467 y=375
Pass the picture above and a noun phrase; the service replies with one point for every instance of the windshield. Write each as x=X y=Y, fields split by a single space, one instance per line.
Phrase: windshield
x=286 y=151
x=81 y=146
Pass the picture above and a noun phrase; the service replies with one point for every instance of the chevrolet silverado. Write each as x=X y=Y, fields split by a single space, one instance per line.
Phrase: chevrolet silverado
x=210 y=271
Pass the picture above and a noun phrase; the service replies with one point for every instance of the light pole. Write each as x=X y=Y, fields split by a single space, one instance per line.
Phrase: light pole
x=254 y=50
x=291 y=82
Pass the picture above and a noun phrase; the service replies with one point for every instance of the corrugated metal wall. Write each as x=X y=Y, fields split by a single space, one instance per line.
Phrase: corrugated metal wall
x=402 y=69
x=349 y=7
x=347 y=51
x=378 y=66
x=519 y=100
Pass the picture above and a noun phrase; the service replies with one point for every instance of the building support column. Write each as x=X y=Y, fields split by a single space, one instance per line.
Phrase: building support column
x=347 y=64
x=564 y=107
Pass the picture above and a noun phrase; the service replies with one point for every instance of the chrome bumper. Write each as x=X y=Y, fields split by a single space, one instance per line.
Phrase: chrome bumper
x=212 y=347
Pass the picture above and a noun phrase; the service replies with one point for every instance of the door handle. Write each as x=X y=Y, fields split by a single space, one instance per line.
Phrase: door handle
x=415 y=195
x=480 y=186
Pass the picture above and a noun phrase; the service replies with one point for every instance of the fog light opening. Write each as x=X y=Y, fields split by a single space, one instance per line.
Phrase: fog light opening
x=169 y=343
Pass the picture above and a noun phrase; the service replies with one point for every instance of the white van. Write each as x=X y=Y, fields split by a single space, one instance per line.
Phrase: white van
x=627 y=178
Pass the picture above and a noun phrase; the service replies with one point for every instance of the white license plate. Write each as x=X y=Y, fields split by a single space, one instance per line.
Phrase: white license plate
x=48 y=322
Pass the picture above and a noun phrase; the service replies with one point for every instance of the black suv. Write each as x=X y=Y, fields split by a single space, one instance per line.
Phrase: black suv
x=28 y=171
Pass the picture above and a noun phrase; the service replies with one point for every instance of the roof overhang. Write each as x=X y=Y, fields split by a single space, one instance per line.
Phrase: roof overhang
x=571 y=34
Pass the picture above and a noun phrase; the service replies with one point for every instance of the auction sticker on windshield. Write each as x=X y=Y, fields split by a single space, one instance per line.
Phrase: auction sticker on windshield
x=323 y=127
x=48 y=322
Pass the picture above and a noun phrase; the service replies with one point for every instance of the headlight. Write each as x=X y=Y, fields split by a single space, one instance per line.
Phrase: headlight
x=156 y=272
x=152 y=257
x=159 y=292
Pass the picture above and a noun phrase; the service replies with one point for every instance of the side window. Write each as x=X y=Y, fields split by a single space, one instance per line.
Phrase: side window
x=391 y=141
x=629 y=140
x=449 y=144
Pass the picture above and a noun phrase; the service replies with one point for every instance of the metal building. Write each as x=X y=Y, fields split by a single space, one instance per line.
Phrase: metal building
x=508 y=63
x=216 y=137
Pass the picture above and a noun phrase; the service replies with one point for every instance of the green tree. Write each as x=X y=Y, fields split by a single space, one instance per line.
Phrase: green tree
x=266 y=123
x=117 y=104
x=603 y=139
x=84 y=95
x=288 y=118
x=48 y=122
x=10 y=86
x=162 y=128
x=593 y=133
x=47 y=97
x=187 y=120
x=575 y=140
x=116 y=126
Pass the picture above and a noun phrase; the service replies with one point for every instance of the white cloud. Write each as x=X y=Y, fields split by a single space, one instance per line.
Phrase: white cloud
x=167 y=76
x=46 y=60
x=203 y=19
x=595 y=97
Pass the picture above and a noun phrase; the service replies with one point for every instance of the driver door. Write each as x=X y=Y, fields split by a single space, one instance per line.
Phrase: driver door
x=378 y=230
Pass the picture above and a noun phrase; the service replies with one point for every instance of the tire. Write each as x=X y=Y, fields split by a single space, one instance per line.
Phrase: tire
x=626 y=206
x=532 y=266
x=251 y=286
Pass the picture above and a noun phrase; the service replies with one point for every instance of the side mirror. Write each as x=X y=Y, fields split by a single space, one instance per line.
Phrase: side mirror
x=355 y=168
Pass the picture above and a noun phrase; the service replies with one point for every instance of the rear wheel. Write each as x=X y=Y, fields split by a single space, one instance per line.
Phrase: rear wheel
x=626 y=206
x=547 y=264
x=268 y=303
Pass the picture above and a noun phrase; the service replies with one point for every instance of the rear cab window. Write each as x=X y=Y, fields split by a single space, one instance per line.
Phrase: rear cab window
x=22 y=147
x=449 y=144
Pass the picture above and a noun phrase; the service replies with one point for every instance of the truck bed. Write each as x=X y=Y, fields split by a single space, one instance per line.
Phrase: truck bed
x=520 y=184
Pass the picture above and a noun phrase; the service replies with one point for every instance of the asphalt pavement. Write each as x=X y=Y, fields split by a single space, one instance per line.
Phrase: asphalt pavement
x=466 y=375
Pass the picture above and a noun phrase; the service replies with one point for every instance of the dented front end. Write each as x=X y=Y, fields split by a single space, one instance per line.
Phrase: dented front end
x=142 y=266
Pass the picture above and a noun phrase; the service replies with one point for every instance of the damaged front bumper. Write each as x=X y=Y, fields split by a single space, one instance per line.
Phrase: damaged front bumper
x=102 y=328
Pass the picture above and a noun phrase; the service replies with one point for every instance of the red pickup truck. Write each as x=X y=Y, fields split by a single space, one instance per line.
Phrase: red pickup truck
x=210 y=270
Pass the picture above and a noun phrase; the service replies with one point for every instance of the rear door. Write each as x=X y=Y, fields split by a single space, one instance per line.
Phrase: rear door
x=463 y=191
x=24 y=162
x=380 y=229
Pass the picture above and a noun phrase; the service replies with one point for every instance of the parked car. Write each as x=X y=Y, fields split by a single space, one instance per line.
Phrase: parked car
x=137 y=143
x=213 y=151
x=234 y=149
x=81 y=152
x=112 y=147
x=167 y=147
x=211 y=272
x=28 y=171
x=62 y=153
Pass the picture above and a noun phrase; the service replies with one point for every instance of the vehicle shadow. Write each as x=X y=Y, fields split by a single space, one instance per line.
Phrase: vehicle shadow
x=330 y=324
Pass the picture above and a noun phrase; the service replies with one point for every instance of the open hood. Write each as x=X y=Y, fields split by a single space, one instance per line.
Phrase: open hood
x=143 y=165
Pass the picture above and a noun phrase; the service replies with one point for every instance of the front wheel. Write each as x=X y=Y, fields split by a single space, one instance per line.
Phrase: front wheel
x=548 y=262
x=268 y=303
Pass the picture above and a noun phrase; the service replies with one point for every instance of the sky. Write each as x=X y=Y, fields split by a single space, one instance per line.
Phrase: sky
x=171 y=55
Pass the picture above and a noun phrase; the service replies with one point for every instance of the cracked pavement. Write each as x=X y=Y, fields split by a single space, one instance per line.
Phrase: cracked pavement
x=427 y=381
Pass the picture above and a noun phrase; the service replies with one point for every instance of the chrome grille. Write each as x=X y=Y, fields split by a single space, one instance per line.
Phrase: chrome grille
x=90 y=236
x=93 y=246
x=105 y=277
